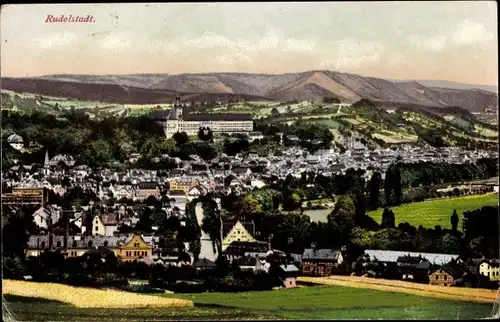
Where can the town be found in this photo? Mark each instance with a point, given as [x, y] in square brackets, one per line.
[250, 161]
[196, 211]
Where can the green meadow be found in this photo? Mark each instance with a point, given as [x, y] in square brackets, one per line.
[438, 211]
[316, 302]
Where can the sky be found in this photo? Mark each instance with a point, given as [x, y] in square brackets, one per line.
[455, 41]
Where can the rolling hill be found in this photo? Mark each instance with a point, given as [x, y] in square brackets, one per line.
[310, 85]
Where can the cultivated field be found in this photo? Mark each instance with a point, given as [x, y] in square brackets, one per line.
[88, 298]
[392, 137]
[438, 211]
[339, 302]
[452, 293]
[317, 302]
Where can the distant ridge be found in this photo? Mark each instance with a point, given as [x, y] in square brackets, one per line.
[310, 85]
[452, 85]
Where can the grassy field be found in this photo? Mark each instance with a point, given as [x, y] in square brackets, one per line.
[390, 137]
[438, 211]
[436, 291]
[88, 297]
[318, 215]
[318, 302]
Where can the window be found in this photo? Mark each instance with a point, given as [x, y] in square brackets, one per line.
[437, 277]
[43, 244]
[58, 244]
[74, 243]
[90, 243]
[96, 228]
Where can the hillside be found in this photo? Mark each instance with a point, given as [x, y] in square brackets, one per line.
[453, 85]
[310, 85]
[103, 90]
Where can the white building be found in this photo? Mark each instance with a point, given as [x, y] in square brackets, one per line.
[176, 120]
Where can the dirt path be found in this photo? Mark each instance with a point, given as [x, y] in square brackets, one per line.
[452, 293]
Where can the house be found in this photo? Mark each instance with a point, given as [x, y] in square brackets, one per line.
[288, 274]
[319, 262]
[134, 248]
[110, 222]
[147, 189]
[238, 231]
[42, 217]
[391, 256]
[238, 249]
[126, 247]
[182, 184]
[447, 275]
[196, 191]
[413, 268]
[68, 160]
[490, 268]
[204, 264]
[242, 172]
[98, 227]
[247, 263]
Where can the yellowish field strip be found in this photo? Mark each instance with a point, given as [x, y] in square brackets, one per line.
[88, 297]
[451, 293]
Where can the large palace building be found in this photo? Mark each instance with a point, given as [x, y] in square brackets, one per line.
[178, 119]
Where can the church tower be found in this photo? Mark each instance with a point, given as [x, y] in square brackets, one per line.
[46, 163]
[178, 107]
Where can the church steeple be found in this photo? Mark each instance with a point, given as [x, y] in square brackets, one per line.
[46, 163]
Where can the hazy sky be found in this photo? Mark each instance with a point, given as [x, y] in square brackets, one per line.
[454, 41]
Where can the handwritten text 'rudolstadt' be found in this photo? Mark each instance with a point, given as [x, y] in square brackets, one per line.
[69, 19]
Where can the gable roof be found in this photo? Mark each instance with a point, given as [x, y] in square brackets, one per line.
[246, 261]
[392, 256]
[109, 219]
[240, 248]
[320, 254]
[203, 262]
[228, 226]
[456, 271]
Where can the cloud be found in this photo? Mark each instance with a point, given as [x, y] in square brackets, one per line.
[469, 32]
[301, 45]
[431, 44]
[232, 59]
[56, 40]
[352, 53]
[114, 42]
[396, 59]
[271, 40]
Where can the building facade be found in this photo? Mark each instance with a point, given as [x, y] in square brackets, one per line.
[126, 248]
[178, 119]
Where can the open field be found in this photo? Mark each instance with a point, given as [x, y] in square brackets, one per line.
[438, 211]
[33, 309]
[88, 297]
[318, 215]
[484, 131]
[391, 137]
[318, 302]
[452, 293]
[493, 180]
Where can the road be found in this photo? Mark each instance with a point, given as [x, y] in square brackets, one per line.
[205, 241]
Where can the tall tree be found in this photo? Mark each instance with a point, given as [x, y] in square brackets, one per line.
[374, 186]
[342, 216]
[180, 138]
[397, 186]
[454, 221]
[389, 186]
